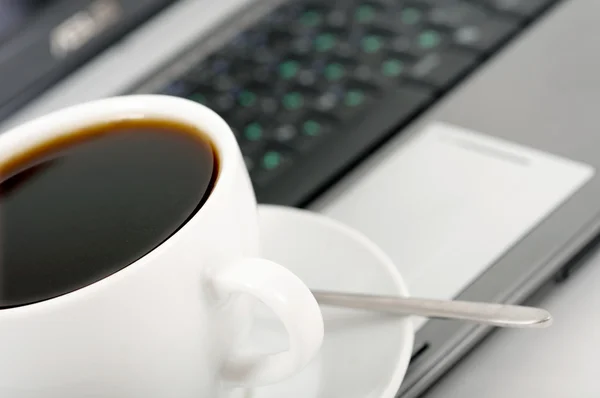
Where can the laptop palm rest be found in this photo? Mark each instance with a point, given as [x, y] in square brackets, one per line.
[452, 201]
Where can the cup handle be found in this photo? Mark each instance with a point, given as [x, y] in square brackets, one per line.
[291, 301]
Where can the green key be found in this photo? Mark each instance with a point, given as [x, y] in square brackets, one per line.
[198, 98]
[271, 160]
[392, 67]
[334, 71]
[247, 98]
[311, 128]
[429, 39]
[325, 42]
[372, 43]
[293, 101]
[311, 18]
[365, 14]
[410, 16]
[253, 132]
[354, 98]
[289, 69]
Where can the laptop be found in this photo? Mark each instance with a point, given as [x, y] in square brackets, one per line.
[459, 135]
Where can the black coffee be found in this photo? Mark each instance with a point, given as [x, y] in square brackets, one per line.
[81, 208]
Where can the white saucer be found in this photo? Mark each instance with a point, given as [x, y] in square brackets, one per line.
[364, 355]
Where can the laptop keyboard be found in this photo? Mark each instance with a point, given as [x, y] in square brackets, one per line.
[316, 86]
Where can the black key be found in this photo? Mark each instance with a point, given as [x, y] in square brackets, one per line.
[238, 122]
[247, 98]
[442, 68]
[349, 48]
[326, 42]
[252, 137]
[178, 88]
[302, 45]
[429, 39]
[522, 8]
[202, 96]
[289, 69]
[330, 100]
[294, 105]
[300, 71]
[366, 73]
[254, 131]
[373, 44]
[241, 73]
[225, 83]
[311, 130]
[311, 18]
[363, 45]
[388, 71]
[282, 15]
[486, 35]
[262, 74]
[266, 55]
[338, 18]
[278, 88]
[319, 4]
[247, 108]
[368, 13]
[284, 133]
[393, 67]
[277, 41]
[315, 126]
[335, 71]
[432, 3]
[356, 99]
[269, 163]
[425, 41]
[295, 100]
[223, 104]
[304, 131]
[219, 64]
[409, 16]
[454, 15]
[255, 90]
[319, 74]
[269, 105]
[386, 3]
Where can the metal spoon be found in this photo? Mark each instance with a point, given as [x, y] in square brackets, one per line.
[485, 313]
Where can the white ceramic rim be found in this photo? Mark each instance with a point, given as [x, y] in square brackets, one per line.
[130, 107]
[407, 324]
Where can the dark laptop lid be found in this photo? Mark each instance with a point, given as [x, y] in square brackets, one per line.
[42, 41]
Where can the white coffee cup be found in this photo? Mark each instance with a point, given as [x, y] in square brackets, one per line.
[172, 324]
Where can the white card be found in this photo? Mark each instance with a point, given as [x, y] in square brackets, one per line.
[451, 202]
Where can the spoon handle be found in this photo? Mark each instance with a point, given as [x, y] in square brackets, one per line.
[485, 313]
